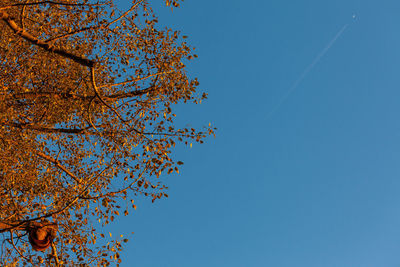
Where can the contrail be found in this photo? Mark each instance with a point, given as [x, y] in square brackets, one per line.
[307, 70]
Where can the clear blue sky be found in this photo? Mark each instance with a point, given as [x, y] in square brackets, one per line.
[315, 184]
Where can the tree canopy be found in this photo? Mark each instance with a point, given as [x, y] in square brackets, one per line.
[87, 94]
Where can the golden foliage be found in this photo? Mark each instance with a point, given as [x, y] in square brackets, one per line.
[86, 120]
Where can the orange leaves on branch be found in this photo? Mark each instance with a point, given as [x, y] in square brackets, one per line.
[86, 117]
[174, 3]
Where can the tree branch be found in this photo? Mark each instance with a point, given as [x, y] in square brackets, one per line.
[96, 91]
[50, 40]
[135, 80]
[46, 46]
[76, 198]
[46, 129]
[52, 3]
[116, 192]
[15, 247]
[131, 93]
[58, 164]
[34, 95]
[125, 13]
[8, 226]
[53, 247]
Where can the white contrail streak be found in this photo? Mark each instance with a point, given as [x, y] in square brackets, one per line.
[307, 70]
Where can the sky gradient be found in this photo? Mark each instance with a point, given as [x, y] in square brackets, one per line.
[316, 183]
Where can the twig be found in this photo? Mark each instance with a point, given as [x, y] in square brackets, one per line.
[58, 164]
[96, 91]
[53, 247]
[22, 14]
[119, 191]
[124, 14]
[135, 80]
[15, 247]
[51, 40]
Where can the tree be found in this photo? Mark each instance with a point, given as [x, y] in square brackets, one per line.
[86, 123]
